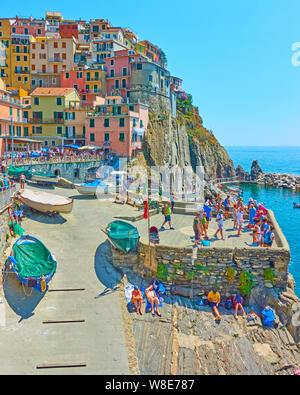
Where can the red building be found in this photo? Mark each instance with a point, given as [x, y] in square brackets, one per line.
[29, 26]
[68, 30]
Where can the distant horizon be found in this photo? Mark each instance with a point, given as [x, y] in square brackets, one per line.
[257, 146]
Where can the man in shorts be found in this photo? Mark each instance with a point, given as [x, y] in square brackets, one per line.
[220, 222]
[226, 205]
[197, 228]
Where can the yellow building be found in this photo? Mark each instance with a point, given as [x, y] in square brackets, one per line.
[56, 116]
[20, 61]
[5, 44]
[95, 81]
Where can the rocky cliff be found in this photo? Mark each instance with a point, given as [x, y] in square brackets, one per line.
[184, 141]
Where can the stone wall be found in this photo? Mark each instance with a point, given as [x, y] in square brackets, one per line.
[67, 170]
[190, 272]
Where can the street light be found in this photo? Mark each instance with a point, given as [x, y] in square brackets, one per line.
[12, 141]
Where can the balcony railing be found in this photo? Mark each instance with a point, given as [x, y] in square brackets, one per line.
[22, 72]
[47, 121]
[55, 60]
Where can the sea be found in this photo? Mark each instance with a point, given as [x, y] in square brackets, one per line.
[275, 160]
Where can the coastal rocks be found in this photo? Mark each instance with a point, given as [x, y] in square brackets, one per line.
[242, 174]
[286, 181]
[256, 171]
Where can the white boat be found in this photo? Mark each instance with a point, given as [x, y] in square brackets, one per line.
[90, 188]
[45, 202]
[44, 178]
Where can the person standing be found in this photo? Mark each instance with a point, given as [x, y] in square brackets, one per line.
[220, 222]
[207, 209]
[226, 205]
[167, 213]
[197, 228]
[172, 198]
[240, 219]
[22, 181]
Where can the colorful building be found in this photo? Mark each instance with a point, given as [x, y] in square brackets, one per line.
[52, 109]
[119, 72]
[28, 26]
[20, 61]
[49, 57]
[117, 127]
[12, 125]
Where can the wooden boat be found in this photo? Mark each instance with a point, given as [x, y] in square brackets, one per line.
[45, 202]
[43, 178]
[123, 236]
[90, 188]
[32, 262]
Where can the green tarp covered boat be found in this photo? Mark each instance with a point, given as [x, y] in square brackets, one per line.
[32, 262]
[17, 171]
[123, 236]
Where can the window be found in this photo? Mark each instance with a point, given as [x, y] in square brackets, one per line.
[117, 84]
[106, 123]
[36, 101]
[141, 123]
[59, 130]
[111, 62]
[67, 76]
[106, 136]
[55, 44]
[76, 87]
[18, 58]
[13, 29]
[19, 79]
[150, 78]
[92, 137]
[112, 72]
[87, 87]
[124, 71]
[33, 56]
[84, 97]
[92, 123]
[83, 131]
[121, 122]
[39, 31]
[58, 101]
[139, 66]
[53, 143]
[64, 56]
[76, 173]
[26, 131]
[63, 45]
[122, 137]
[25, 30]
[131, 107]
[25, 58]
[124, 83]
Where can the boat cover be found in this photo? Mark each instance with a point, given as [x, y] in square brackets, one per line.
[33, 258]
[17, 171]
[37, 173]
[95, 183]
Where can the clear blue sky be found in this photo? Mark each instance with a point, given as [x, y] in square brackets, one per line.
[233, 55]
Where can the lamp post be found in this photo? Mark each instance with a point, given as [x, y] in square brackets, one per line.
[6, 144]
[12, 141]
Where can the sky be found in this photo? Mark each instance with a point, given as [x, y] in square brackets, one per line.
[235, 57]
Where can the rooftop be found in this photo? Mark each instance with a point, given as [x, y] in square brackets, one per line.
[52, 91]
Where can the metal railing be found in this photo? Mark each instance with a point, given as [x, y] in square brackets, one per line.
[6, 196]
[55, 159]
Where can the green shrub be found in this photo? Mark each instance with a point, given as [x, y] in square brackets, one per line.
[246, 283]
[190, 275]
[269, 275]
[162, 271]
[230, 273]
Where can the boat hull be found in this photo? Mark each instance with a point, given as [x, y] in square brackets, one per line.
[46, 207]
[85, 190]
[44, 179]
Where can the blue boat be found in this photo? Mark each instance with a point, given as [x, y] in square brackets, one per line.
[32, 262]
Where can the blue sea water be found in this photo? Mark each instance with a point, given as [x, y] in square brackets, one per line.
[276, 160]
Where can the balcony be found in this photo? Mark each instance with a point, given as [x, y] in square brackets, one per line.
[22, 72]
[55, 60]
[47, 121]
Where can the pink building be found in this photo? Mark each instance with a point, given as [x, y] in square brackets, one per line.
[29, 26]
[119, 72]
[117, 127]
[72, 79]
[13, 123]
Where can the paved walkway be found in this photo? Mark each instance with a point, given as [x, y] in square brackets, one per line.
[99, 342]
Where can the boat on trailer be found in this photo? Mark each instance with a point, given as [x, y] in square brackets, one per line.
[32, 262]
[45, 202]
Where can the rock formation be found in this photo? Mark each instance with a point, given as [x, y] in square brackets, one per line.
[184, 141]
[256, 171]
[242, 174]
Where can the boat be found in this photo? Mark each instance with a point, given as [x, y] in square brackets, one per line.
[90, 187]
[45, 202]
[296, 205]
[15, 172]
[32, 262]
[123, 236]
[44, 178]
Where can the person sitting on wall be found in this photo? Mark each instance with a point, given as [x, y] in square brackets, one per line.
[214, 299]
[137, 299]
[238, 305]
[152, 299]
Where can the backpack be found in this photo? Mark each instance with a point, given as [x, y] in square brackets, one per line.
[268, 317]
[228, 304]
